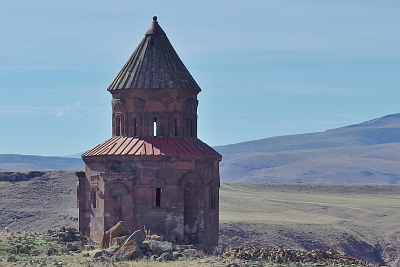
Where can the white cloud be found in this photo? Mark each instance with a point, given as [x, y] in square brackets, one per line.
[75, 109]
[63, 110]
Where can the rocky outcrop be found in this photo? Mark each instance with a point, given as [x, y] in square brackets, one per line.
[286, 256]
[20, 176]
[235, 235]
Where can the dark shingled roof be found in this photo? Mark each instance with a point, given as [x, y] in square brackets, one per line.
[153, 146]
[154, 65]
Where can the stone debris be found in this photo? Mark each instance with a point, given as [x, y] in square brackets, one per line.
[139, 236]
[285, 256]
[191, 253]
[178, 256]
[70, 238]
[119, 230]
[51, 252]
[64, 235]
[160, 247]
[140, 245]
[166, 256]
[150, 249]
[118, 241]
[127, 251]
[11, 258]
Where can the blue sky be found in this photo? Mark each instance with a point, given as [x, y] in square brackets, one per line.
[266, 68]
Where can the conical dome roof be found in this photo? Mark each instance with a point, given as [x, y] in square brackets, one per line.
[154, 65]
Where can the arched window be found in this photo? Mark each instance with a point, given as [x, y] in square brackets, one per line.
[134, 127]
[158, 197]
[118, 118]
[190, 129]
[176, 129]
[118, 125]
[155, 126]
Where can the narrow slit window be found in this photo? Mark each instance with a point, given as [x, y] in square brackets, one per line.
[118, 125]
[176, 127]
[212, 199]
[134, 127]
[190, 126]
[94, 198]
[155, 126]
[158, 197]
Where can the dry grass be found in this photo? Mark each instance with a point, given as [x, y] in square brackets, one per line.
[308, 216]
[376, 207]
[43, 203]
[355, 219]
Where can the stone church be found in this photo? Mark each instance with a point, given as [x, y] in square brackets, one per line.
[153, 172]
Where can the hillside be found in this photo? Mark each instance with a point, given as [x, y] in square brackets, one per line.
[359, 220]
[365, 153]
[45, 201]
[14, 162]
[368, 152]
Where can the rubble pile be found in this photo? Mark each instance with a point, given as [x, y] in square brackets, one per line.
[120, 244]
[136, 247]
[284, 256]
[70, 240]
[65, 235]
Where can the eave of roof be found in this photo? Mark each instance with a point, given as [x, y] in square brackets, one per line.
[154, 65]
[153, 146]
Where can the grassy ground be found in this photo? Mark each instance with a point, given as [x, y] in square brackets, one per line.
[355, 219]
[43, 203]
[359, 220]
[33, 246]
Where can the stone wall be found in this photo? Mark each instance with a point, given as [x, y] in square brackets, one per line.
[169, 196]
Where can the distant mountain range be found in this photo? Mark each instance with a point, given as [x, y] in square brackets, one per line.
[368, 152]
[14, 163]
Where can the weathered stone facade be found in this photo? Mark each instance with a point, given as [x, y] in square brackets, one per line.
[154, 172]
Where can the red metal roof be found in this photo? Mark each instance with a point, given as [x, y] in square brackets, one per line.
[153, 146]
